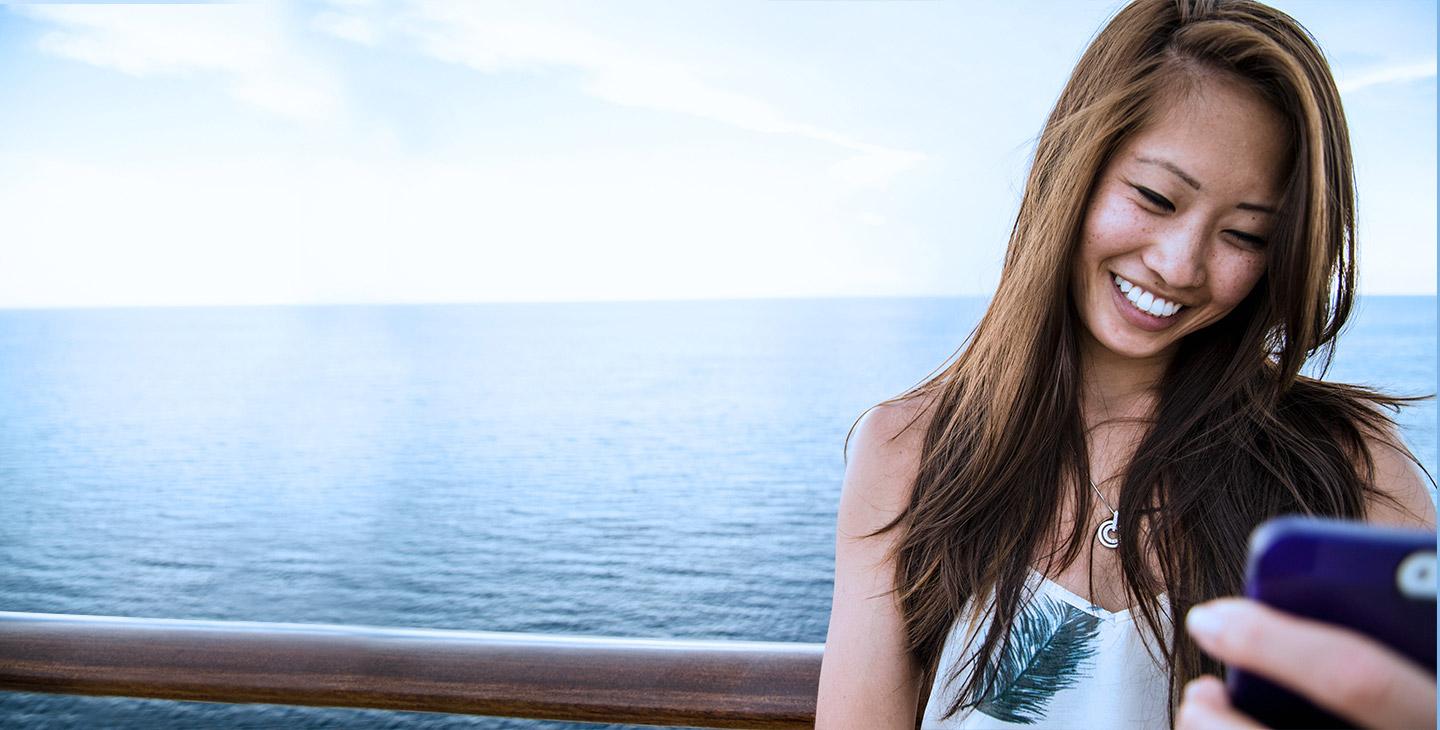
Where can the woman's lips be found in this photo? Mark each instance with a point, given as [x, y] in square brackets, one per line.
[1143, 320]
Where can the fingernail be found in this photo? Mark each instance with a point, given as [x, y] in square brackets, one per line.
[1204, 622]
[1191, 687]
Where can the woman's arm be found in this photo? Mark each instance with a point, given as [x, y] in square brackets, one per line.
[867, 680]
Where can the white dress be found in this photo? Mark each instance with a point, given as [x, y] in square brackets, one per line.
[1071, 665]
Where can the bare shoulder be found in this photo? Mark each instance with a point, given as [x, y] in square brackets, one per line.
[884, 450]
[868, 679]
[893, 429]
[1398, 476]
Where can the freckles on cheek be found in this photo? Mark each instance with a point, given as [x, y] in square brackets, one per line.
[1234, 282]
[1112, 222]
[1230, 290]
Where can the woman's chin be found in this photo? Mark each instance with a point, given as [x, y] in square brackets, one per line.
[1137, 346]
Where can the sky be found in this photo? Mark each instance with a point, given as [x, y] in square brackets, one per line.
[419, 151]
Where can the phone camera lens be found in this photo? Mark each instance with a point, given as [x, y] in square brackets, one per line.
[1416, 576]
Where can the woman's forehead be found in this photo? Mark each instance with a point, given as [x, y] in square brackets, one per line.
[1221, 138]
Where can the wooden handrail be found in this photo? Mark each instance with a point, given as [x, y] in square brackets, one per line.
[646, 681]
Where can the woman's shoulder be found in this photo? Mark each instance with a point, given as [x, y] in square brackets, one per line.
[884, 448]
[893, 429]
[1404, 494]
[1407, 500]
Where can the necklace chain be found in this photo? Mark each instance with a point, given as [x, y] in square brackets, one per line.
[1109, 532]
[1101, 496]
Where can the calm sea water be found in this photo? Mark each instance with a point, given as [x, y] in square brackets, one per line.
[637, 469]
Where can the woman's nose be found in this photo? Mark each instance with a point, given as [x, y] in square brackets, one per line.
[1178, 254]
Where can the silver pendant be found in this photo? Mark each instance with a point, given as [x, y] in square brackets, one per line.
[1109, 532]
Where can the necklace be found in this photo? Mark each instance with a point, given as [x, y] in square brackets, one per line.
[1109, 532]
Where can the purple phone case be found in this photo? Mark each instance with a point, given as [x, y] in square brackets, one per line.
[1338, 572]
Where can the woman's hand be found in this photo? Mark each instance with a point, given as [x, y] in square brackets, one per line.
[1337, 669]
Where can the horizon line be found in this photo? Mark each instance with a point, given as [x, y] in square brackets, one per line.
[660, 300]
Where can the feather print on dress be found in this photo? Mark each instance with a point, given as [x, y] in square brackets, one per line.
[1050, 644]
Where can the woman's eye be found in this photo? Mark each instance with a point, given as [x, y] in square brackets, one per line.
[1155, 198]
[1248, 240]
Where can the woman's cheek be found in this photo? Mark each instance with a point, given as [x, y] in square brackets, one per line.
[1113, 224]
[1236, 279]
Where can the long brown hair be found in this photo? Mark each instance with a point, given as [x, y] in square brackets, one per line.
[1238, 435]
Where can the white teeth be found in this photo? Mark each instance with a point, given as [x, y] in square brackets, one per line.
[1145, 301]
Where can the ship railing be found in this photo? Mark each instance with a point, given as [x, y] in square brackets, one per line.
[720, 684]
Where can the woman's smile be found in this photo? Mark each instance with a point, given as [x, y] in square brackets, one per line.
[1143, 309]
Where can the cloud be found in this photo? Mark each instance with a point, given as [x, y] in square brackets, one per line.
[353, 28]
[1387, 75]
[245, 44]
[250, 46]
[490, 40]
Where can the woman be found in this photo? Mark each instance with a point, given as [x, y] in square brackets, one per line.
[1129, 408]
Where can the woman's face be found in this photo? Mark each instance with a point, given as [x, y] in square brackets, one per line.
[1175, 232]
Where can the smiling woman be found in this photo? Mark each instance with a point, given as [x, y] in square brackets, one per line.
[1017, 534]
[1163, 254]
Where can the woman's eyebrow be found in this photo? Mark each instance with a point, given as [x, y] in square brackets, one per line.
[1192, 182]
[1172, 167]
[1256, 207]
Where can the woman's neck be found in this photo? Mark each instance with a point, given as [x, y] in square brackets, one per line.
[1113, 386]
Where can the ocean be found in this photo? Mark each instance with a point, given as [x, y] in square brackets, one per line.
[657, 469]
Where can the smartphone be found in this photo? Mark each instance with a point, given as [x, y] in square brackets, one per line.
[1378, 581]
